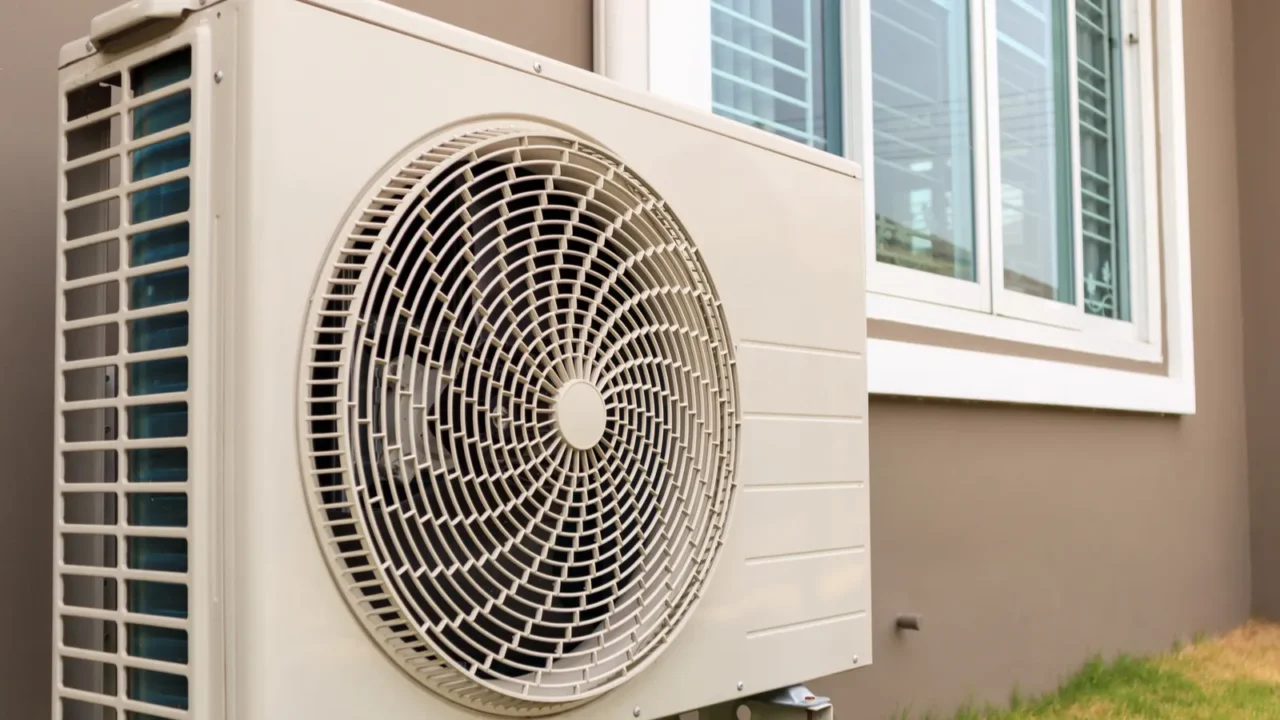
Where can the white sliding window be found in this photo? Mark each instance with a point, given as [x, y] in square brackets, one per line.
[999, 145]
[1027, 178]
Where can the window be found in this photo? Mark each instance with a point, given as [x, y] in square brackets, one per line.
[1010, 151]
[999, 147]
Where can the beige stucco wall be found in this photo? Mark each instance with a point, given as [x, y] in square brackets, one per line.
[1027, 538]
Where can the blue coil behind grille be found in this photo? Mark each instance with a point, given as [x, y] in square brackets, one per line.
[164, 420]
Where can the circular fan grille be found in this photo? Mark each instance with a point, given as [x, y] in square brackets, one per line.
[519, 418]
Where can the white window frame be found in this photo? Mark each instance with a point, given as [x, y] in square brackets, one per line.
[921, 298]
[664, 46]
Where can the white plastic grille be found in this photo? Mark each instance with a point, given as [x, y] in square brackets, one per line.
[122, 606]
[519, 418]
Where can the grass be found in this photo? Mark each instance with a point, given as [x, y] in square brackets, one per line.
[1236, 676]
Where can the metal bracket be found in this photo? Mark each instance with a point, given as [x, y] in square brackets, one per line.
[793, 703]
[136, 13]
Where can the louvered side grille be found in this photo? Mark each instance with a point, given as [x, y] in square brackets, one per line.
[124, 446]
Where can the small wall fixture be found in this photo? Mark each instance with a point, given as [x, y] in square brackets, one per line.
[908, 622]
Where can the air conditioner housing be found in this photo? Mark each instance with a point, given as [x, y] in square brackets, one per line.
[223, 166]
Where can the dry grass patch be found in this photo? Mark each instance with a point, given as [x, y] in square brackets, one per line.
[1234, 677]
[1251, 652]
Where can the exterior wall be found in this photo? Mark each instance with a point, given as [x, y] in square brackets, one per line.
[29, 41]
[1257, 116]
[1026, 538]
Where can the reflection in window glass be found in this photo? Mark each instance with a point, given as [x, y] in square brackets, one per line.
[775, 64]
[923, 135]
[1035, 148]
[1102, 181]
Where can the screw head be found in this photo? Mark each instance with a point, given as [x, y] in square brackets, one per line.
[217, 76]
[855, 659]
[741, 685]
[537, 67]
[636, 712]
[89, 46]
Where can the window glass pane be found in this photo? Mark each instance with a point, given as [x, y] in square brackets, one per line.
[1035, 150]
[775, 64]
[1102, 190]
[920, 70]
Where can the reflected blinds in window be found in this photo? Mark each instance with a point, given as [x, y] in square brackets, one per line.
[775, 65]
[921, 95]
[1102, 187]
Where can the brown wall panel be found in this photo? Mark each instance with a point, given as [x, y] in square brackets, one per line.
[559, 29]
[30, 34]
[1257, 55]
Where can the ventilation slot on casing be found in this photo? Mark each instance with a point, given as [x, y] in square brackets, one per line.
[123, 606]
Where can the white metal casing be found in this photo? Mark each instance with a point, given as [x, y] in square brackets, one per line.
[311, 103]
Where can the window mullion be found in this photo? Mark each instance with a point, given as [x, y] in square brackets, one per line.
[1073, 141]
[1144, 200]
[986, 44]
[858, 113]
[985, 167]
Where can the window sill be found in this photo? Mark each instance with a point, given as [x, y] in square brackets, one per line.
[1099, 337]
[913, 370]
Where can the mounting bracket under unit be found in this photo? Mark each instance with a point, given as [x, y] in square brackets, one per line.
[793, 703]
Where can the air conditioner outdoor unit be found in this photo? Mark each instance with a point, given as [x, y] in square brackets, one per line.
[406, 374]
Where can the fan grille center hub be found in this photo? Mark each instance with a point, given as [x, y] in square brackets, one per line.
[580, 414]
